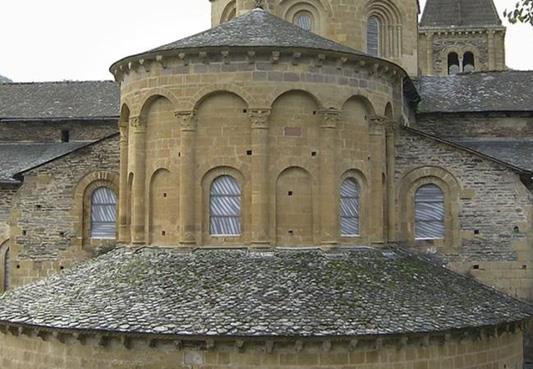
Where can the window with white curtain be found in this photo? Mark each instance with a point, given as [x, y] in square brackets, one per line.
[304, 20]
[349, 208]
[373, 36]
[225, 207]
[103, 213]
[429, 213]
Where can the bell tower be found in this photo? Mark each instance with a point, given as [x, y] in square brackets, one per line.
[460, 36]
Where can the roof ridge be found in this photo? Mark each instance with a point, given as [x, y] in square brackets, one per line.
[57, 82]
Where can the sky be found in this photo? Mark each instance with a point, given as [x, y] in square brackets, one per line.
[55, 40]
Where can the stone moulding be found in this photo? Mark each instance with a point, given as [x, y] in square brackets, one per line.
[268, 344]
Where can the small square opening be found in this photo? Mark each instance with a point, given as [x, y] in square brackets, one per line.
[65, 135]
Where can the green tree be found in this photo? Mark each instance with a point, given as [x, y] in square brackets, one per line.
[523, 12]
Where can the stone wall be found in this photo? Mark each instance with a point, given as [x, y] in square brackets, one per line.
[486, 125]
[493, 215]
[50, 131]
[7, 192]
[60, 352]
[46, 227]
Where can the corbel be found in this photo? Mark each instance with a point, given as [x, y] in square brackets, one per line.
[403, 342]
[184, 58]
[326, 346]
[353, 344]
[81, 338]
[379, 344]
[298, 346]
[59, 336]
[251, 57]
[102, 340]
[341, 62]
[203, 56]
[178, 344]
[225, 56]
[126, 342]
[239, 345]
[425, 340]
[269, 346]
[321, 58]
[296, 58]
[43, 335]
[210, 344]
[275, 57]
[152, 343]
[161, 60]
[145, 64]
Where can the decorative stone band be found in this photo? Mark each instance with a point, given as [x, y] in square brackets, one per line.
[330, 118]
[269, 344]
[187, 120]
[259, 118]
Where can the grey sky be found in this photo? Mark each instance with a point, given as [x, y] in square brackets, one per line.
[78, 40]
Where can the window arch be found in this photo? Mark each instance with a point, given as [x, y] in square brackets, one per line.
[373, 36]
[304, 19]
[453, 63]
[225, 207]
[429, 213]
[469, 64]
[103, 213]
[349, 208]
[6, 266]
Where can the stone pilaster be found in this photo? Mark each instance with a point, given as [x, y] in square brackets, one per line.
[329, 191]
[378, 194]
[187, 121]
[390, 206]
[259, 120]
[139, 178]
[123, 211]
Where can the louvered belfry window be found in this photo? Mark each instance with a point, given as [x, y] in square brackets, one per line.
[103, 213]
[429, 209]
[225, 207]
[372, 36]
[349, 208]
[304, 20]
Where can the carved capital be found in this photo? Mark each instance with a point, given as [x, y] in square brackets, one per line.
[378, 124]
[186, 120]
[136, 122]
[330, 118]
[259, 118]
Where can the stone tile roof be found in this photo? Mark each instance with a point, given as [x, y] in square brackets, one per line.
[518, 152]
[215, 292]
[4, 79]
[59, 100]
[21, 156]
[257, 28]
[477, 92]
[460, 13]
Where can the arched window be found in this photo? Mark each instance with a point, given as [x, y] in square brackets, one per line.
[469, 64]
[429, 213]
[373, 36]
[349, 208]
[103, 213]
[453, 63]
[6, 266]
[225, 207]
[304, 20]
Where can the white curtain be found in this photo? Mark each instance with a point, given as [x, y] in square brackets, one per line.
[103, 213]
[429, 217]
[349, 208]
[225, 207]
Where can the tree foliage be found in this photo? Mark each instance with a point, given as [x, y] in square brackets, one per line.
[523, 12]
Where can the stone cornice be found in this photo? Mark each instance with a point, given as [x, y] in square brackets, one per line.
[242, 344]
[460, 30]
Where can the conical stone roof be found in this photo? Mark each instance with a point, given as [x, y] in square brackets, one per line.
[257, 28]
[460, 13]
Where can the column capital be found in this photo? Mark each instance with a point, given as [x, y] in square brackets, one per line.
[259, 117]
[330, 117]
[186, 120]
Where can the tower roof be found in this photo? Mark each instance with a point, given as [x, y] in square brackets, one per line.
[257, 28]
[460, 13]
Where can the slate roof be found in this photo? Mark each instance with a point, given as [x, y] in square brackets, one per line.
[4, 79]
[59, 100]
[257, 28]
[504, 91]
[518, 152]
[21, 156]
[216, 292]
[460, 13]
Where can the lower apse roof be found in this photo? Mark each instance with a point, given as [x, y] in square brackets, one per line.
[305, 293]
